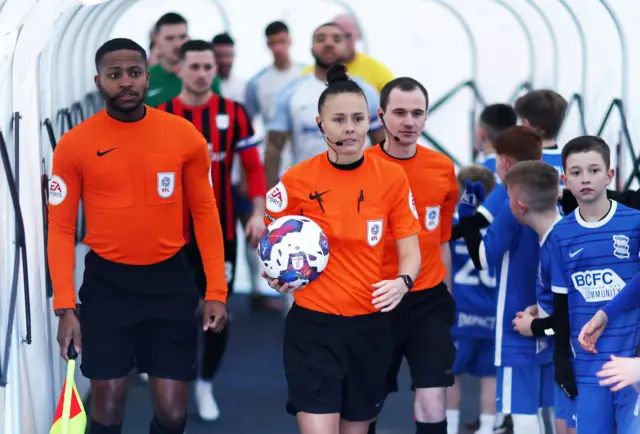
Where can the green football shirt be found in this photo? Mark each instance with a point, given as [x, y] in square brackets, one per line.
[164, 86]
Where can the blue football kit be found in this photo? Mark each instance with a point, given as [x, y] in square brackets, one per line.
[596, 260]
[474, 330]
[524, 363]
[564, 407]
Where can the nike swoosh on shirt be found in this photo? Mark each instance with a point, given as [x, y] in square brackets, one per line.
[100, 154]
[154, 92]
[572, 254]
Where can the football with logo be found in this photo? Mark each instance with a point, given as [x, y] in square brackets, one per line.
[294, 249]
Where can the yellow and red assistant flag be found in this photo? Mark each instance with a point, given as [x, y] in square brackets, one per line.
[70, 417]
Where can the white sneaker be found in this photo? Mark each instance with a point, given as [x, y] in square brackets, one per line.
[144, 377]
[205, 402]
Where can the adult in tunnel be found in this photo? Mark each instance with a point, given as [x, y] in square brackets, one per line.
[133, 166]
[337, 338]
[429, 305]
[171, 31]
[359, 64]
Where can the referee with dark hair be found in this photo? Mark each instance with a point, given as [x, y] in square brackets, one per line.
[133, 167]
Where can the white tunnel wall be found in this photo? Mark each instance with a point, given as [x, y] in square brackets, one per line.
[573, 46]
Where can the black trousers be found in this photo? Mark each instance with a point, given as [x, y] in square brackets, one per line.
[214, 345]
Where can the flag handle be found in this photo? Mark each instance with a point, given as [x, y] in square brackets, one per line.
[68, 389]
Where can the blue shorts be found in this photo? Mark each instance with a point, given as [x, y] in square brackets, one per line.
[524, 389]
[601, 411]
[565, 408]
[475, 356]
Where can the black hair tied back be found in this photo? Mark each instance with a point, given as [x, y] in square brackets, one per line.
[339, 82]
[337, 74]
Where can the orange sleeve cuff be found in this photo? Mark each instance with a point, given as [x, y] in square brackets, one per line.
[65, 301]
[216, 295]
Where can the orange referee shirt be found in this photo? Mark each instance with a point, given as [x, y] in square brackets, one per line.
[435, 190]
[354, 208]
[131, 178]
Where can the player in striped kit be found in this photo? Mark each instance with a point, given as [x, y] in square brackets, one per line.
[227, 128]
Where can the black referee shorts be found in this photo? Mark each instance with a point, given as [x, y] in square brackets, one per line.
[138, 316]
[421, 327]
[230, 261]
[336, 364]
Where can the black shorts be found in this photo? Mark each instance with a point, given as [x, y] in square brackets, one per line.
[140, 316]
[336, 364]
[230, 259]
[421, 327]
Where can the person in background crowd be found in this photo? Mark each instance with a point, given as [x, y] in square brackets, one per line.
[261, 90]
[231, 86]
[260, 98]
[494, 119]
[154, 55]
[171, 32]
[544, 111]
[359, 64]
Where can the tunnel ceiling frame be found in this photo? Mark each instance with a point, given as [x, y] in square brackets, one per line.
[624, 60]
[528, 36]
[583, 44]
[554, 38]
[83, 37]
[467, 30]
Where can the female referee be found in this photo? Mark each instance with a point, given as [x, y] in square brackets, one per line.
[337, 340]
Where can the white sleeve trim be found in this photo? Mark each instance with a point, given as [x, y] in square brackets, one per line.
[482, 253]
[247, 143]
[559, 290]
[486, 213]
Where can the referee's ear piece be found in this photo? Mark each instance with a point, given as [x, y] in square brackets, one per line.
[320, 127]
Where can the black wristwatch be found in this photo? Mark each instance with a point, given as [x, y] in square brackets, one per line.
[407, 281]
[60, 312]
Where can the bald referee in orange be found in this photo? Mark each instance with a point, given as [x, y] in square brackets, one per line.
[421, 324]
[133, 166]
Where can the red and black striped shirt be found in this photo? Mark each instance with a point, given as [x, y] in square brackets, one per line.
[226, 126]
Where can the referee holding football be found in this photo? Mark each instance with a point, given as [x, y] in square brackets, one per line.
[337, 338]
[133, 166]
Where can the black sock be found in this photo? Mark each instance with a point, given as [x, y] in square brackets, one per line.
[98, 428]
[372, 427]
[431, 428]
[156, 427]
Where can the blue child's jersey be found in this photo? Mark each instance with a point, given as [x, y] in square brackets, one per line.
[475, 295]
[553, 157]
[494, 202]
[596, 260]
[513, 249]
[490, 162]
[544, 293]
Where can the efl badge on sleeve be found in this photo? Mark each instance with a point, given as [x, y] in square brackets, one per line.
[432, 217]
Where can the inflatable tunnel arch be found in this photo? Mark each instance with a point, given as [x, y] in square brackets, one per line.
[466, 53]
